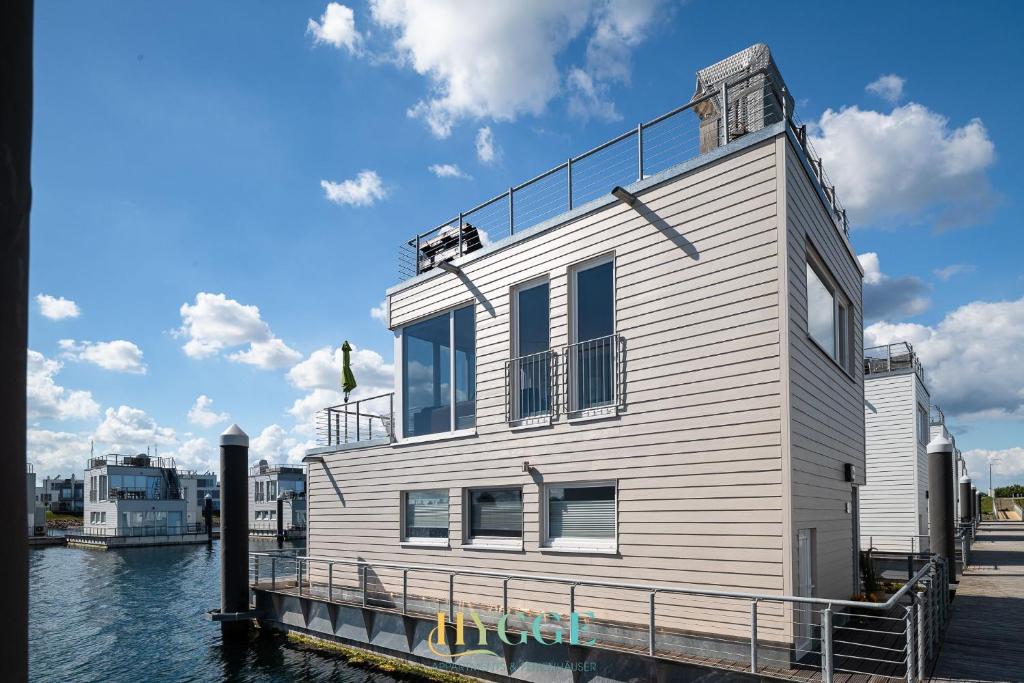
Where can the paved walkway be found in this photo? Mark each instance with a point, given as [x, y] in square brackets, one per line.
[985, 638]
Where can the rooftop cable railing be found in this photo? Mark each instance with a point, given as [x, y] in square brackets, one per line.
[263, 467]
[366, 419]
[752, 101]
[893, 357]
[124, 460]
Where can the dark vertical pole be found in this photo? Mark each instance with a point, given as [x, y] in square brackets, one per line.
[965, 501]
[15, 201]
[234, 526]
[208, 517]
[940, 507]
[280, 520]
[975, 503]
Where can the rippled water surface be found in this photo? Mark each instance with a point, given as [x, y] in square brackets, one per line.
[136, 615]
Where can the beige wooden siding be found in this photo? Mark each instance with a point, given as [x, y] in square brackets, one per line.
[893, 497]
[696, 451]
[826, 405]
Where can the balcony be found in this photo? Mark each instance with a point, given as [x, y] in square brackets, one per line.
[368, 419]
[140, 460]
[591, 380]
[893, 357]
[747, 87]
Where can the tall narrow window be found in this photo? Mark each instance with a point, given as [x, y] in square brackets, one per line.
[592, 355]
[530, 369]
[439, 373]
[821, 313]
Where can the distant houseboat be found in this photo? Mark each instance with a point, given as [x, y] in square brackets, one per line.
[269, 483]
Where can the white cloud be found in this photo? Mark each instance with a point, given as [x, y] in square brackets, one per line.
[973, 358]
[380, 312]
[127, 429]
[276, 445]
[195, 454]
[269, 355]
[448, 171]
[47, 399]
[365, 189]
[907, 166]
[320, 376]
[214, 323]
[57, 308]
[953, 269]
[886, 296]
[486, 151]
[619, 27]
[888, 87]
[337, 27]
[588, 98]
[54, 452]
[201, 414]
[119, 355]
[1007, 466]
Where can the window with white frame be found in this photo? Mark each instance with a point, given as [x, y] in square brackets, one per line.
[581, 516]
[495, 515]
[425, 516]
[439, 373]
[829, 314]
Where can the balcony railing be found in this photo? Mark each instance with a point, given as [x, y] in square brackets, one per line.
[752, 102]
[140, 460]
[368, 419]
[593, 375]
[531, 388]
[143, 494]
[891, 358]
[137, 531]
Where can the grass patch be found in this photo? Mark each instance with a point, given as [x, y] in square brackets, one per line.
[63, 517]
[371, 660]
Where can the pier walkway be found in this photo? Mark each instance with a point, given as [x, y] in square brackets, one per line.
[984, 639]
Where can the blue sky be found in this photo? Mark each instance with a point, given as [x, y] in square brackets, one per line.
[191, 159]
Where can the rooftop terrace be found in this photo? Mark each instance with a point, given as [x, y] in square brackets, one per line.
[123, 460]
[746, 86]
[895, 357]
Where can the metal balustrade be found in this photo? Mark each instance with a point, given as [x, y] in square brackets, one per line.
[367, 419]
[829, 639]
[531, 387]
[593, 375]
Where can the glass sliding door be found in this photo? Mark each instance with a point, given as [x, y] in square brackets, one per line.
[592, 356]
[531, 368]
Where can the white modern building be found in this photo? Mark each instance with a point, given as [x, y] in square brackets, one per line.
[195, 487]
[894, 500]
[35, 511]
[268, 482]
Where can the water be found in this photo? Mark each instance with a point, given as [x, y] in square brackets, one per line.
[136, 615]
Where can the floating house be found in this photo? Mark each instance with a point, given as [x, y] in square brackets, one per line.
[65, 495]
[641, 368]
[135, 500]
[35, 512]
[894, 501]
[277, 492]
[195, 487]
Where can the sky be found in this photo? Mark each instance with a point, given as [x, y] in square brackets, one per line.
[221, 189]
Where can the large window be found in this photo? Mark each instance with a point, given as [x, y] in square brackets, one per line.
[530, 369]
[495, 515]
[581, 516]
[922, 424]
[425, 516]
[592, 355]
[829, 314]
[439, 373]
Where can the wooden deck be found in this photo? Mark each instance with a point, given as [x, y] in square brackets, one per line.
[985, 637]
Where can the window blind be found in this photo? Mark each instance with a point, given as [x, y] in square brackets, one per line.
[581, 512]
[496, 512]
[426, 514]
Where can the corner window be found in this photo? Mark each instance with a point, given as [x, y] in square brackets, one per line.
[495, 515]
[829, 314]
[581, 516]
[425, 516]
[439, 373]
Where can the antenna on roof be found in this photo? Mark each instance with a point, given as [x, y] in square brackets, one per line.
[92, 450]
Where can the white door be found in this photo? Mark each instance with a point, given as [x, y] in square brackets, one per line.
[804, 612]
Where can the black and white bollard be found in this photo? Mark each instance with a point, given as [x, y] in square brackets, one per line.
[940, 502]
[208, 517]
[234, 613]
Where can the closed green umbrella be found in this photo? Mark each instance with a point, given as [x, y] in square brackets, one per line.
[348, 380]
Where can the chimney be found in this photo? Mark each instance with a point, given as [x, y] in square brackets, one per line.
[754, 95]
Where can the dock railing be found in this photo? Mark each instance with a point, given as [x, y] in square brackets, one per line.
[752, 101]
[800, 638]
[140, 531]
[367, 419]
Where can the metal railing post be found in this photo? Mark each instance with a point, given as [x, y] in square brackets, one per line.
[256, 580]
[725, 114]
[910, 634]
[753, 636]
[922, 654]
[330, 582]
[405, 591]
[640, 151]
[298, 574]
[451, 596]
[826, 645]
[416, 254]
[273, 573]
[358, 413]
[572, 598]
[362, 582]
[568, 181]
[650, 624]
[460, 233]
[504, 596]
[511, 214]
